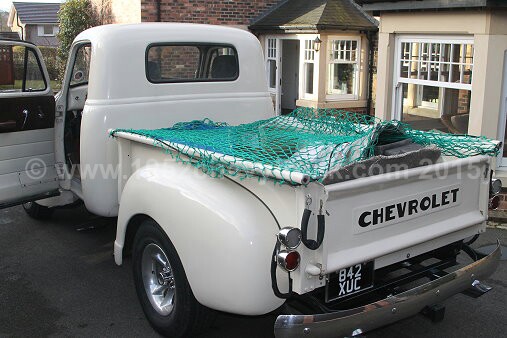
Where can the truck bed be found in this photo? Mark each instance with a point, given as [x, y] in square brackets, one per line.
[385, 218]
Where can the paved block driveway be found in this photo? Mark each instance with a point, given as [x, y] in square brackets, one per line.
[58, 278]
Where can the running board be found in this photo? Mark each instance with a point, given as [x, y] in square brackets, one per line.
[32, 198]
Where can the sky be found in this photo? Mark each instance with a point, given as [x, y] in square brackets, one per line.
[5, 5]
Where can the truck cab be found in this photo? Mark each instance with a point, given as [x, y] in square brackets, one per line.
[112, 81]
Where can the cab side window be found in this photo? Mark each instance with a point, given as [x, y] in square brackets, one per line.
[81, 67]
[20, 70]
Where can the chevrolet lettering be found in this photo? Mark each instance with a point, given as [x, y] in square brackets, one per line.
[399, 210]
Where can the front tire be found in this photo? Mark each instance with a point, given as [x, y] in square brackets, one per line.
[37, 211]
[162, 286]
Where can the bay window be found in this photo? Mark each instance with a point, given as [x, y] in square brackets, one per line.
[343, 68]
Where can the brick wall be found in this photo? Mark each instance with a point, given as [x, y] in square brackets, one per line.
[218, 12]
[463, 101]
[117, 11]
[175, 62]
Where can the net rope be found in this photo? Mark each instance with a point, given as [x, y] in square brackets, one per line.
[308, 141]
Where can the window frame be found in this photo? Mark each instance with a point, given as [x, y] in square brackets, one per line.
[41, 32]
[23, 90]
[434, 40]
[275, 49]
[74, 85]
[304, 61]
[189, 44]
[431, 39]
[329, 62]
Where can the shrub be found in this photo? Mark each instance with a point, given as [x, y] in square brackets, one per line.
[74, 16]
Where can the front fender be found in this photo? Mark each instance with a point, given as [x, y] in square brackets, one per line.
[223, 234]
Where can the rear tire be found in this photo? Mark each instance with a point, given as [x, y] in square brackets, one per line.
[162, 286]
[37, 211]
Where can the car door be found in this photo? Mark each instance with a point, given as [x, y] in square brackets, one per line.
[27, 117]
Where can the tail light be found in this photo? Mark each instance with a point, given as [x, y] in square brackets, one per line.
[290, 237]
[288, 260]
[495, 187]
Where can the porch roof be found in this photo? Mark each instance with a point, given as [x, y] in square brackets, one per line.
[315, 15]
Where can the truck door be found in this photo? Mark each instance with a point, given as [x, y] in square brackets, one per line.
[27, 116]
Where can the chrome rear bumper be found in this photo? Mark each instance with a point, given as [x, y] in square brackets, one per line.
[365, 318]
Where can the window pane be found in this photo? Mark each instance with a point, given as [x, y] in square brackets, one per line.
[342, 78]
[434, 108]
[439, 62]
[34, 75]
[446, 52]
[404, 69]
[173, 63]
[344, 50]
[309, 78]
[81, 68]
[12, 70]
[181, 63]
[434, 71]
[467, 74]
[221, 63]
[48, 30]
[272, 73]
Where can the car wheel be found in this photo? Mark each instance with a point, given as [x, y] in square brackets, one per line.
[37, 211]
[162, 287]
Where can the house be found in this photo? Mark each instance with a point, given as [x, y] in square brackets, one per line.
[36, 22]
[443, 65]
[318, 54]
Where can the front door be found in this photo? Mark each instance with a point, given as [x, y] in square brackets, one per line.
[27, 116]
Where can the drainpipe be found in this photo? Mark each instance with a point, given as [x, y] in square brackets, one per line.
[159, 14]
[369, 36]
[22, 29]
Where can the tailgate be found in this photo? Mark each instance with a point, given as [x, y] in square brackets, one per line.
[394, 216]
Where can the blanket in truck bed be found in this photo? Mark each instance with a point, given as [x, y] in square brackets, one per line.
[300, 147]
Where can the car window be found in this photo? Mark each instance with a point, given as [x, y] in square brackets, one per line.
[190, 63]
[81, 67]
[20, 70]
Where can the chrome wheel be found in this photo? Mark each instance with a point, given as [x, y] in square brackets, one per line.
[158, 279]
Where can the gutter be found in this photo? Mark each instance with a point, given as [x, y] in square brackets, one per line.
[371, 53]
[159, 14]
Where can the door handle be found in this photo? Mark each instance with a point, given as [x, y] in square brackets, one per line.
[7, 126]
[25, 113]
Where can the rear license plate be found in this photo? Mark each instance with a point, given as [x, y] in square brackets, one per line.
[348, 281]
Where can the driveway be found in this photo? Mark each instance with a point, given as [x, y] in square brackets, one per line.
[58, 278]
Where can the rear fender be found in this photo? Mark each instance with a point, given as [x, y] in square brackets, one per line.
[223, 234]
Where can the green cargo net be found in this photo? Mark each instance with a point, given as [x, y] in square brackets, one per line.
[297, 148]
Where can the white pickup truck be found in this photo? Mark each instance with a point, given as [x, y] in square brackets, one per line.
[334, 258]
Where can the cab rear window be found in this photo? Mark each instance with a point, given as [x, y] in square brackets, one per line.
[167, 63]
